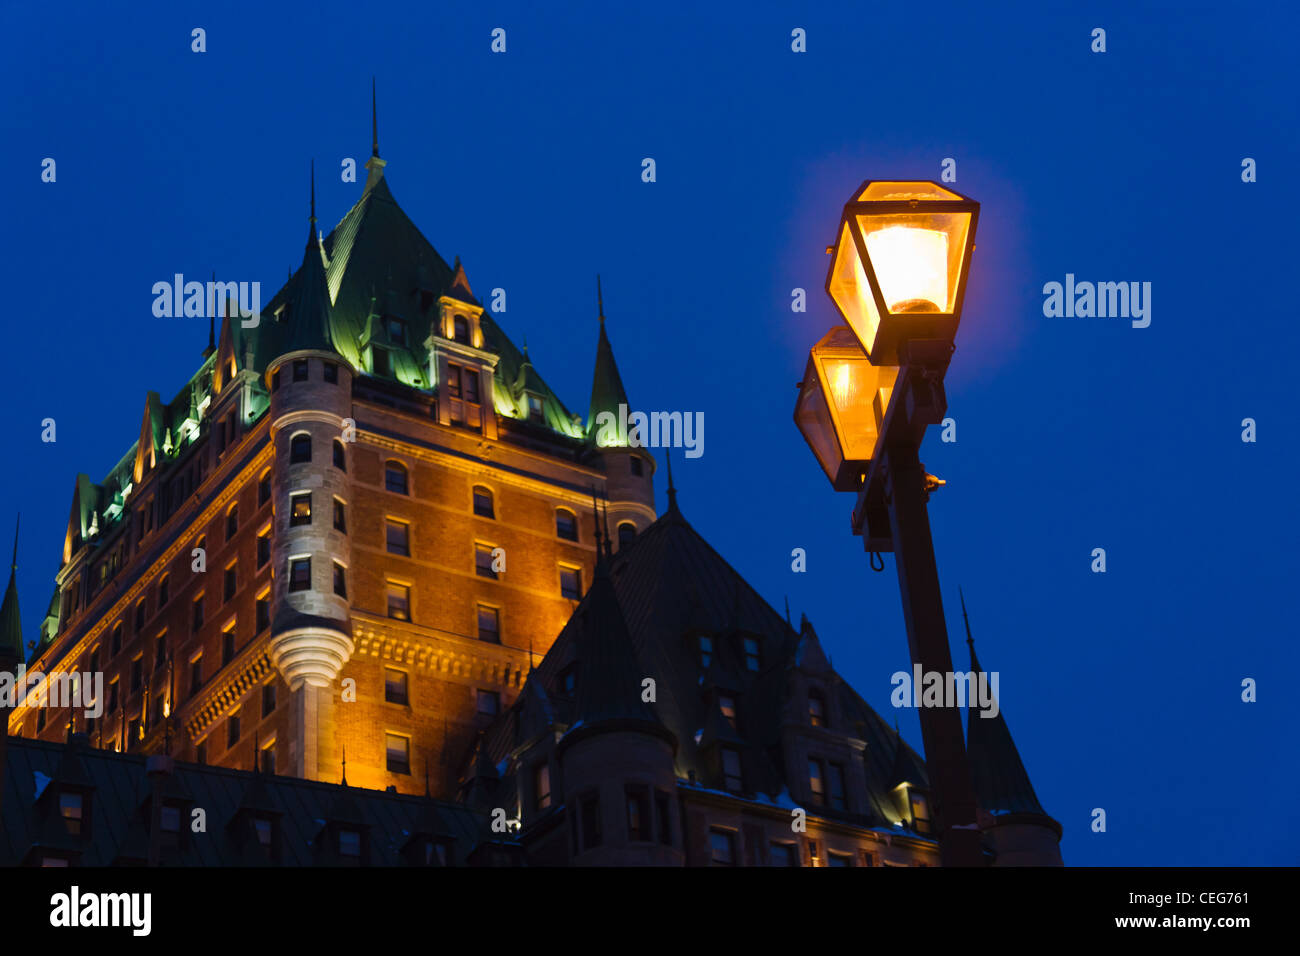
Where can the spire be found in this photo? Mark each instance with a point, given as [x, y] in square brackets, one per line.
[311, 222]
[595, 518]
[1001, 782]
[309, 303]
[672, 489]
[604, 517]
[212, 341]
[787, 613]
[607, 392]
[970, 641]
[11, 626]
[374, 121]
[345, 765]
[459, 287]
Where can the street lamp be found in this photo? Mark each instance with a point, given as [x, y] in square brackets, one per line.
[898, 268]
[898, 276]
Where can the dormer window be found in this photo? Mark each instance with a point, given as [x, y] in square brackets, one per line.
[396, 331]
[752, 659]
[733, 779]
[460, 329]
[816, 709]
[920, 812]
[264, 829]
[727, 704]
[706, 651]
[71, 809]
[378, 361]
[534, 407]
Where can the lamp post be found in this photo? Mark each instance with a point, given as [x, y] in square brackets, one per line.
[870, 390]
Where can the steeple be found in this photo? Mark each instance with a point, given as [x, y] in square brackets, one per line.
[672, 489]
[374, 165]
[1001, 782]
[309, 307]
[11, 626]
[212, 342]
[607, 392]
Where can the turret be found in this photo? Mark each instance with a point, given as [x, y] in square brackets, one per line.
[616, 759]
[629, 484]
[311, 397]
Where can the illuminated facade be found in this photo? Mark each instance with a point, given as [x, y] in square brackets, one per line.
[358, 537]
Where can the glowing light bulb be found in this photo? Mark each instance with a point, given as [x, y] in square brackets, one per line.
[912, 267]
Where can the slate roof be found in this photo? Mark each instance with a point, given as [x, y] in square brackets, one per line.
[119, 824]
[670, 584]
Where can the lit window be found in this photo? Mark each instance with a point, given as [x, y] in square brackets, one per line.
[300, 449]
[483, 502]
[300, 574]
[398, 537]
[489, 624]
[733, 779]
[395, 686]
[566, 524]
[920, 812]
[395, 478]
[722, 845]
[570, 583]
[483, 562]
[398, 750]
[489, 702]
[70, 808]
[816, 709]
[728, 705]
[399, 601]
[299, 508]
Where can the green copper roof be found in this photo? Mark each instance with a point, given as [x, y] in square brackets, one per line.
[607, 391]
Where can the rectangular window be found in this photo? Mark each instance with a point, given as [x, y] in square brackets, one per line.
[232, 731]
[116, 644]
[752, 660]
[395, 478]
[263, 611]
[815, 782]
[542, 786]
[160, 651]
[453, 380]
[350, 845]
[399, 601]
[268, 699]
[300, 574]
[634, 463]
[489, 702]
[139, 613]
[231, 582]
[228, 645]
[663, 822]
[331, 373]
[70, 807]
[398, 749]
[164, 591]
[469, 378]
[534, 408]
[566, 525]
[638, 814]
[783, 854]
[489, 624]
[395, 686]
[201, 752]
[706, 652]
[340, 517]
[838, 859]
[232, 523]
[571, 583]
[264, 489]
[196, 675]
[268, 758]
[137, 674]
[920, 812]
[731, 772]
[722, 844]
[196, 614]
[299, 508]
[378, 360]
[396, 331]
[835, 782]
[112, 696]
[300, 370]
[728, 705]
[483, 562]
[483, 503]
[398, 537]
[264, 547]
[340, 580]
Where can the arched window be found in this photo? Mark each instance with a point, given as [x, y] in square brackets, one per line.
[626, 534]
[395, 478]
[566, 524]
[483, 505]
[340, 457]
[232, 521]
[300, 448]
[460, 329]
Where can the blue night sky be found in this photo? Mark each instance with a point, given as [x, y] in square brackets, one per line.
[1123, 689]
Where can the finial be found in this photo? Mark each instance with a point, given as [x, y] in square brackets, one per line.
[311, 228]
[600, 300]
[345, 765]
[525, 347]
[969, 640]
[787, 613]
[374, 121]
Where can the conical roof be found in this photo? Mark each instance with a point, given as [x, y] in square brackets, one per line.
[11, 625]
[607, 392]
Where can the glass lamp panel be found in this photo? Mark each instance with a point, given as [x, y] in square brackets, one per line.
[894, 190]
[850, 384]
[813, 416]
[917, 258]
[850, 290]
